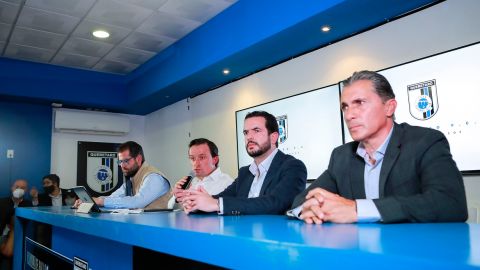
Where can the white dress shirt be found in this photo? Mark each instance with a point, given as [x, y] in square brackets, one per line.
[214, 183]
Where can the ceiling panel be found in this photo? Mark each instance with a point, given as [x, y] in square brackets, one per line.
[8, 12]
[138, 30]
[75, 60]
[84, 30]
[150, 4]
[37, 38]
[74, 8]
[12, 1]
[28, 53]
[47, 21]
[146, 42]
[129, 55]
[114, 66]
[4, 31]
[118, 13]
[164, 24]
[86, 47]
[199, 10]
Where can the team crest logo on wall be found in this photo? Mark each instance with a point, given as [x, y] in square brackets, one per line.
[423, 99]
[282, 128]
[101, 171]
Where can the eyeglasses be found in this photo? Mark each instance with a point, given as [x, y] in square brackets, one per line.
[124, 162]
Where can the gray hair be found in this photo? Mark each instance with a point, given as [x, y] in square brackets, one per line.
[380, 84]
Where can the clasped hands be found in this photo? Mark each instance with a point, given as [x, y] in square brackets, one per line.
[324, 206]
[195, 199]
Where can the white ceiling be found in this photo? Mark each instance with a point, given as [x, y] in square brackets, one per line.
[59, 32]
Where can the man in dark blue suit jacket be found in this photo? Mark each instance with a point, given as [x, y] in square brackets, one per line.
[390, 173]
[267, 186]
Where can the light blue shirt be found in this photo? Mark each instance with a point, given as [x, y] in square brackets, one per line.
[153, 187]
[366, 209]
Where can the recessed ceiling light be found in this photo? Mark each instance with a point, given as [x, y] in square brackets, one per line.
[101, 34]
[226, 71]
[326, 28]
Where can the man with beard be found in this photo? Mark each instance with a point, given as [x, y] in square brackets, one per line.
[53, 195]
[145, 186]
[267, 186]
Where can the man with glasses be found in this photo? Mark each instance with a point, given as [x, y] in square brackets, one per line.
[145, 186]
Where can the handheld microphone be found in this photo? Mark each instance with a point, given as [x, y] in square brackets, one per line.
[188, 182]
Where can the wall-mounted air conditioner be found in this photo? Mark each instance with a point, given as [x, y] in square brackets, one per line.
[91, 122]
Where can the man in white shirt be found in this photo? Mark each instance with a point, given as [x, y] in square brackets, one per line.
[203, 155]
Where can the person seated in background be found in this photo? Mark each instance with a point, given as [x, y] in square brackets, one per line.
[144, 187]
[53, 195]
[390, 173]
[267, 186]
[203, 155]
[7, 212]
[8, 204]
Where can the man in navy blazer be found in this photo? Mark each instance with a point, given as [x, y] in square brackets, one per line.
[390, 173]
[267, 186]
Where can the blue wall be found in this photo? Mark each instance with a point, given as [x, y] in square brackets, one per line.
[27, 129]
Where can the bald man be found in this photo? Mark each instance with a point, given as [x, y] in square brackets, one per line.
[7, 208]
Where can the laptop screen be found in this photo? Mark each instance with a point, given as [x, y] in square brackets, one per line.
[83, 195]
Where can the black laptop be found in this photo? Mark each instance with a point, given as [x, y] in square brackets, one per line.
[83, 195]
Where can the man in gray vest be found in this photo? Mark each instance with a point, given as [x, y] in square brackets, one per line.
[145, 186]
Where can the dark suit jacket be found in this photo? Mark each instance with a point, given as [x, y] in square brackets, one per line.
[285, 178]
[45, 200]
[419, 181]
[7, 210]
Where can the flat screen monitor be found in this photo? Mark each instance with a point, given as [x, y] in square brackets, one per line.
[442, 92]
[310, 127]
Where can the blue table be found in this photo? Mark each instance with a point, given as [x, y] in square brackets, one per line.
[271, 242]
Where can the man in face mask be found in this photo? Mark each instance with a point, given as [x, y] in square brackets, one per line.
[52, 194]
[8, 205]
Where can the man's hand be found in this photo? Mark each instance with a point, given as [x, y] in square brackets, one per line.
[34, 192]
[322, 206]
[77, 203]
[178, 192]
[199, 200]
[99, 201]
[34, 195]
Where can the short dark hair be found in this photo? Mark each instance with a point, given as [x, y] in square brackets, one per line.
[270, 121]
[134, 148]
[211, 145]
[380, 84]
[53, 177]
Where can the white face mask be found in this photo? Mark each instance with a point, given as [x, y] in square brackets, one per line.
[18, 193]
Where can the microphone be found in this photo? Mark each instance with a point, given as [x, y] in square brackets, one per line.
[189, 180]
